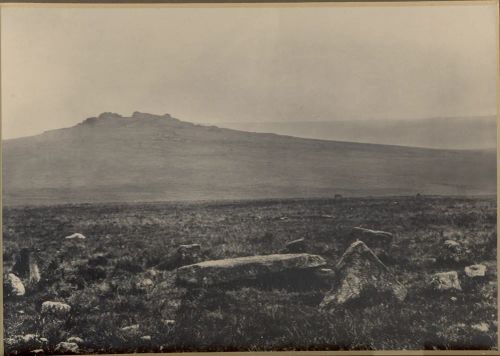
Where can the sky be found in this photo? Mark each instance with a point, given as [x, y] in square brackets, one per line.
[60, 64]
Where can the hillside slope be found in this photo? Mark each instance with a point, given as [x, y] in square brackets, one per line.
[444, 133]
[151, 158]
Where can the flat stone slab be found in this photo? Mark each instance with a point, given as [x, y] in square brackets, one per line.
[244, 268]
[373, 238]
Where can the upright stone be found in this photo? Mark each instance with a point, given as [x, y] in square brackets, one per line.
[361, 276]
[26, 267]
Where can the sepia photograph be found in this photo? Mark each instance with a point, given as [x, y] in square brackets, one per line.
[249, 177]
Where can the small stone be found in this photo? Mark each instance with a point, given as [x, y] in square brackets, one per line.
[183, 256]
[452, 251]
[328, 272]
[146, 338]
[77, 236]
[145, 283]
[475, 271]
[130, 328]
[169, 322]
[296, 246]
[55, 309]
[445, 281]
[37, 352]
[99, 259]
[152, 272]
[14, 286]
[483, 327]
[75, 339]
[66, 348]
[454, 299]
[451, 244]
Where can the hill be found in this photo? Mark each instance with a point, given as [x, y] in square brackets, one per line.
[445, 133]
[152, 158]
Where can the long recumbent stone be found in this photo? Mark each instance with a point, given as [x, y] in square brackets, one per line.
[245, 268]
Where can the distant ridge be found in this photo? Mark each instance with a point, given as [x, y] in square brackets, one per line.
[444, 133]
[148, 157]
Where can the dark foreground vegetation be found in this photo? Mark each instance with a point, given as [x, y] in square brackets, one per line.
[103, 276]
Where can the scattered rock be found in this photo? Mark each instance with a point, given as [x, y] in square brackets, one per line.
[296, 246]
[475, 271]
[103, 289]
[146, 338]
[189, 253]
[451, 244]
[130, 328]
[24, 343]
[373, 238]
[454, 299]
[144, 284]
[482, 327]
[66, 348]
[57, 309]
[325, 272]
[99, 259]
[361, 275]
[13, 286]
[244, 268]
[76, 236]
[32, 338]
[152, 273]
[37, 352]
[452, 251]
[185, 255]
[75, 339]
[169, 322]
[445, 281]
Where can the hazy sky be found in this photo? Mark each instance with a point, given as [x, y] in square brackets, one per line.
[62, 65]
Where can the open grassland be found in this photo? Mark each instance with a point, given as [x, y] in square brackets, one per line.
[100, 277]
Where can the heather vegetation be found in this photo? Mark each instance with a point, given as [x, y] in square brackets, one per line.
[120, 280]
